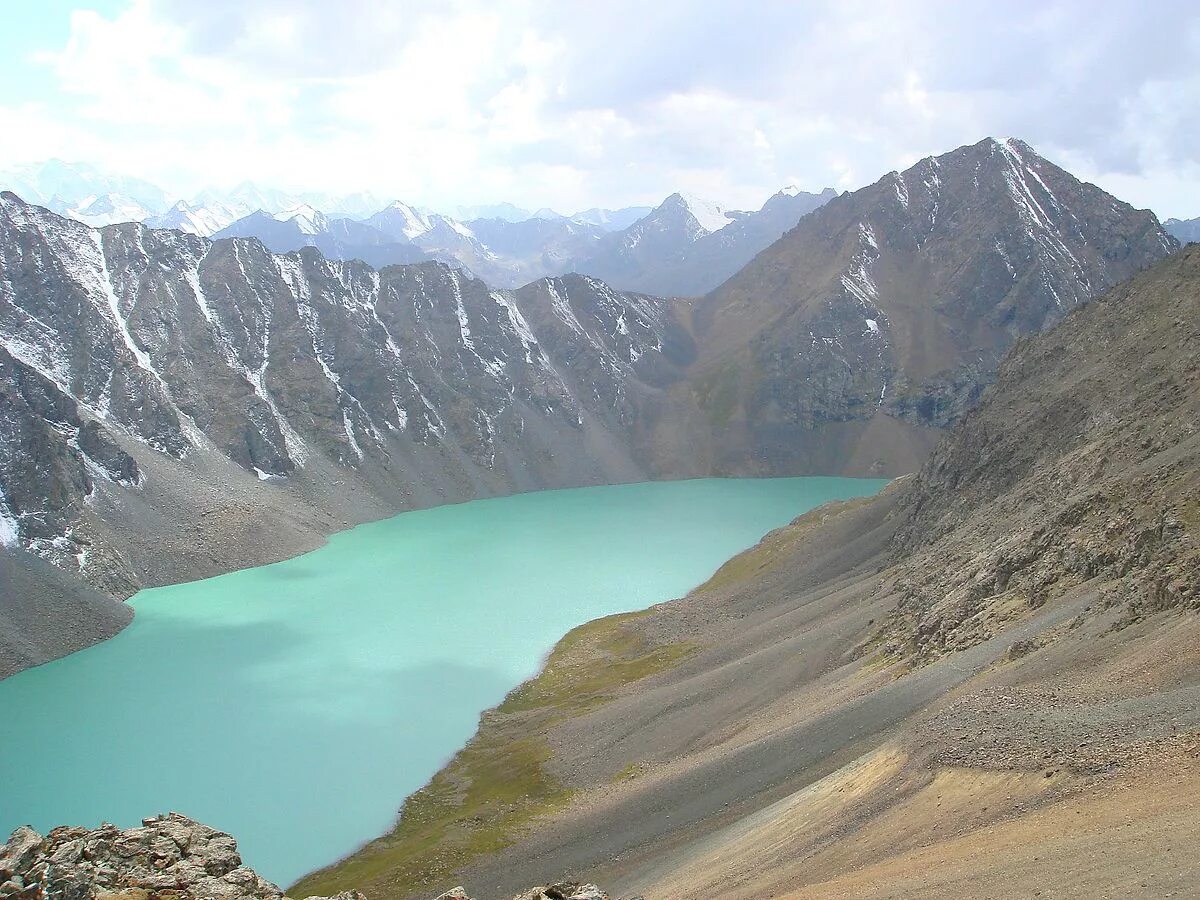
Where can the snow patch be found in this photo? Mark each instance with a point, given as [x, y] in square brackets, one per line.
[350, 437]
[10, 531]
[492, 367]
[872, 326]
[563, 309]
[707, 214]
[305, 218]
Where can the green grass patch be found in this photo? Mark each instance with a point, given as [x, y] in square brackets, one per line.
[498, 784]
[776, 547]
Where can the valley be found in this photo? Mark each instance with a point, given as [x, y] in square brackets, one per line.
[170, 400]
[985, 675]
[349, 674]
[997, 639]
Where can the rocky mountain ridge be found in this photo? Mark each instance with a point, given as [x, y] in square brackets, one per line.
[882, 315]
[137, 361]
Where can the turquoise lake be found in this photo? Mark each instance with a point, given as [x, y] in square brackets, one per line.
[296, 705]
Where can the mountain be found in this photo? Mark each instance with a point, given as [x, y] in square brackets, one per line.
[612, 219]
[204, 220]
[303, 226]
[177, 407]
[881, 317]
[400, 221]
[1186, 231]
[502, 252]
[65, 185]
[686, 247]
[358, 205]
[981, 682]
[634, 254]
[538, 247]
[108, 209]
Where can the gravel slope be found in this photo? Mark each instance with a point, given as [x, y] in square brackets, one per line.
[32, 593]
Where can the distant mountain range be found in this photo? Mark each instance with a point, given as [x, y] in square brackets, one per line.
[1186, 231]
[671, 250]
[687, 246]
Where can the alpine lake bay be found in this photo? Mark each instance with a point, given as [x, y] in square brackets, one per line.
[297, 704]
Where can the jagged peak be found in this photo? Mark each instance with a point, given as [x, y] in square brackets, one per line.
[709, 215]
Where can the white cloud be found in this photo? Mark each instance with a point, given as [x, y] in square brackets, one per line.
[573, 105]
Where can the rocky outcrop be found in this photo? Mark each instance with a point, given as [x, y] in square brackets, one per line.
[169, 856]
[1082, 464]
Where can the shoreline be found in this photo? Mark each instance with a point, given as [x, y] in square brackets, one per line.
[503, 780]
[321, 538]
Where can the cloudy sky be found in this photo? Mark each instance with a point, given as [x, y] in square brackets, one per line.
[572, 104]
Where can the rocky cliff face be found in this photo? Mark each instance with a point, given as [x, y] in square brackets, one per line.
[1082, 465]
[884, 314]
[141, 369]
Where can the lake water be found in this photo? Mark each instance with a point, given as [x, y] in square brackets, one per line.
[296, 705]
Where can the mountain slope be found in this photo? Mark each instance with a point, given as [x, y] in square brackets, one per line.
[34, 592]
[175, 407]
[915, 689]
[883, 315]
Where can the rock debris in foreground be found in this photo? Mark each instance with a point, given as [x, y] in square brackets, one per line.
[169, 857]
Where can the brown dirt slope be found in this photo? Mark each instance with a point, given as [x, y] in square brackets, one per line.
[984, 682]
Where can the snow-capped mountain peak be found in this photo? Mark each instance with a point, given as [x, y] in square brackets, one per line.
[307, 219]
[707, 214]
[404, 219]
